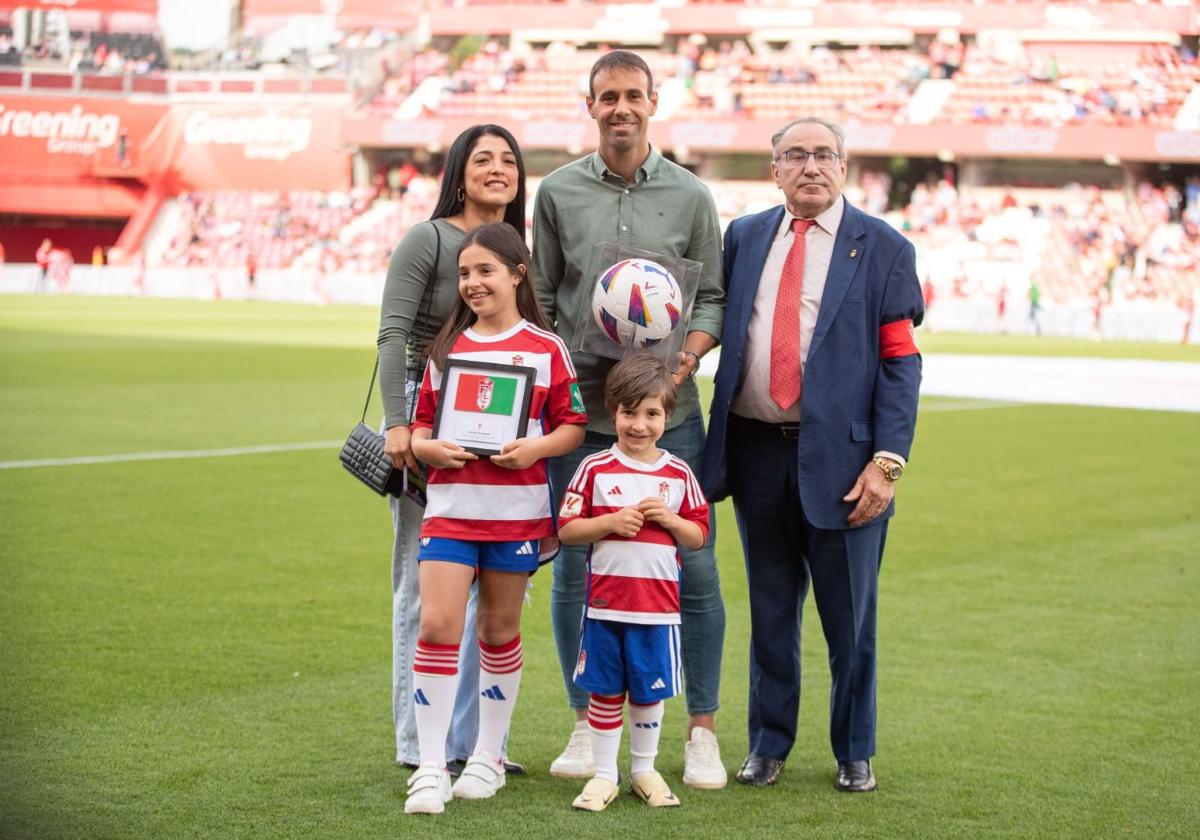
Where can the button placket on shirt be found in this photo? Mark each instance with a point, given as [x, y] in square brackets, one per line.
[625, 216]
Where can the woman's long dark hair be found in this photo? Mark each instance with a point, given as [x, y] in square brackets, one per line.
[449, 204]
[509, 248]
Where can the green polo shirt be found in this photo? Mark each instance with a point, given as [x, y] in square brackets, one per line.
[667, 210]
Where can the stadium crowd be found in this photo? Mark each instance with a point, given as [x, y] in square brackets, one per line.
[1081, 247]
[87, 52]
[994, 81]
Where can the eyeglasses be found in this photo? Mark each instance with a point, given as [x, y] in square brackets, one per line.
[799, 157]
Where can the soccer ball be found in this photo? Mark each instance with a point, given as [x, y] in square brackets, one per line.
[637, 303]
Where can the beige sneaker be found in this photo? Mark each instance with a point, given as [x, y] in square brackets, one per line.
[702, 767]
[596, 796]
[576, 760]
[652, 789]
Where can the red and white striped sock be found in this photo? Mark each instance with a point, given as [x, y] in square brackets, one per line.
[604, 721]
[500, 669]
[435, 678]
[645, 725]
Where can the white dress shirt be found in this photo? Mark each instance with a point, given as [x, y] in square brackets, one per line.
[753, 399]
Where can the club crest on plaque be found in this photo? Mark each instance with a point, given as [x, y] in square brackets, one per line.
[483, 397]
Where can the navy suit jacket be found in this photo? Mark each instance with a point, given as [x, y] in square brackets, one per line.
[853, 403]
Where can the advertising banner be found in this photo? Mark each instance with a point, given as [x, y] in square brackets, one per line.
[49, 148]
[62, 156]
[259, 146]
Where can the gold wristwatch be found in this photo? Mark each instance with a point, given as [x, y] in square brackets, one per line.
[891, 470]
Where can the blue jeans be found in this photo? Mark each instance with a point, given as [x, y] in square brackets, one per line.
[701, 607]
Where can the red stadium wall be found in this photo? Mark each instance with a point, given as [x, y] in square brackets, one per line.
[259, 146]
[50, 149]
[21, 237]
[67, 159]
[59, 156]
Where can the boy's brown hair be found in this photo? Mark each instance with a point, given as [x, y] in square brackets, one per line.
[635, 378]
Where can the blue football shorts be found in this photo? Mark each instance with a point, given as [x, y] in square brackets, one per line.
[511, 556]
[643, 659]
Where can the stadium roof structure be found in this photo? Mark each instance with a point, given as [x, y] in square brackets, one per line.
[853, 22]
[147, 7]
[261, 16]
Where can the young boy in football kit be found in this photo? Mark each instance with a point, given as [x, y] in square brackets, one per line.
[636, 505]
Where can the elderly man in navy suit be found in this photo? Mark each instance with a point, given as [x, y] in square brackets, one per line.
[812, 421]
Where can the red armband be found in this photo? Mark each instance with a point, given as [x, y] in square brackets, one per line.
[897, 339]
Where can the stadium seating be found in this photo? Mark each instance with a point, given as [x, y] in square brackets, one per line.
[1082, 245]
[1090, 88]
[225, 229]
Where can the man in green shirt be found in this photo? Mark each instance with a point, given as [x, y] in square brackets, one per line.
[628, 193]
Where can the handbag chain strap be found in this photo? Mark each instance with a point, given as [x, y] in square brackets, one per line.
[370, 388]
[430, 290]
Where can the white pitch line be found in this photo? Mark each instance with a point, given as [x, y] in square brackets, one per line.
[968, 405]
[81, 460]
[170, 455]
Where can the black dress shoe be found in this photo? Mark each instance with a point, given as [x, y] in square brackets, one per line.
[760, 770]
[855, 776]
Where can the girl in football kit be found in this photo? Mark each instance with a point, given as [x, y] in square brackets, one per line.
[485, 516]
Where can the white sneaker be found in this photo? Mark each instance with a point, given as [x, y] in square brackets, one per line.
[480, 778]
[428, 790]
[576, 761]
[702, 767]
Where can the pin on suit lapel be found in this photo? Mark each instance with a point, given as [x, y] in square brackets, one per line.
[849, 250]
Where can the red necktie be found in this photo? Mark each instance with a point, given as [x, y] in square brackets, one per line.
[785, 327]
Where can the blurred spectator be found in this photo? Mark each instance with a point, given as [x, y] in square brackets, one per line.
[42, 257]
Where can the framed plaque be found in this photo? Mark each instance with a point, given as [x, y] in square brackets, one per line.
[482, 406]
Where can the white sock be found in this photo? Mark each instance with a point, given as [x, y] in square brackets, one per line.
[435, 678]
[500, 669]
[645, 725]
[604, 721]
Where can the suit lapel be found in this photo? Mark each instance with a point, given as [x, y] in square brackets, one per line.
[750, 267]
[842, 269]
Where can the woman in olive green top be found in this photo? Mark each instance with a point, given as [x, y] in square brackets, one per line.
[484, 181]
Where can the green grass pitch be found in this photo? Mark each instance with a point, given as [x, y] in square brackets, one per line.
[200, 647]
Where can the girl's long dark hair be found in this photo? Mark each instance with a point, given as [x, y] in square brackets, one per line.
[509, 248]
[449, 204]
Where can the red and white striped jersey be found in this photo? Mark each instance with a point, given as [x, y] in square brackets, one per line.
[634, 579]
[481, 501]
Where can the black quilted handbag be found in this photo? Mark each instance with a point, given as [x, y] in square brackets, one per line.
[363, 455]
[364, 458]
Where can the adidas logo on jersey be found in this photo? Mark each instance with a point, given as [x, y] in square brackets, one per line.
[526, 548]
[419, 698]
[493, 693]
[658, 683]
[616, 491]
